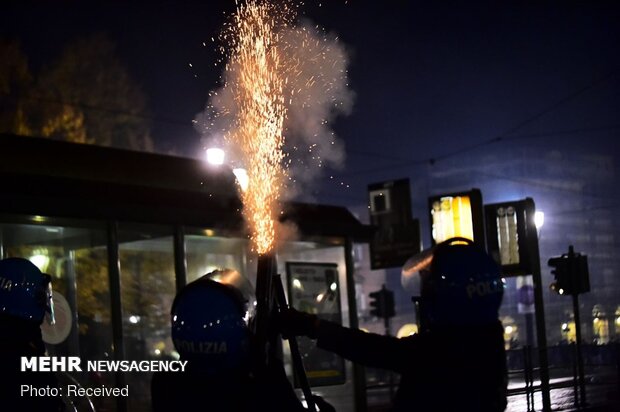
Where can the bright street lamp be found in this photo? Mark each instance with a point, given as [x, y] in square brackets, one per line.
[539, 219]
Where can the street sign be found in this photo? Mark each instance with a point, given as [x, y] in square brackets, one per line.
[511, 235]
[314, 288]
[525, 294]
[397, 235]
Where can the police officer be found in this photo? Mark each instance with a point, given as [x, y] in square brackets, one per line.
[25, 299]
[457, 362]
[210, 330]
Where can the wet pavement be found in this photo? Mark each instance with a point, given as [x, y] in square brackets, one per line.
[600, 396]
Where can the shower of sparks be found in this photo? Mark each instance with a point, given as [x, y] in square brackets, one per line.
[259, 96]
[283, 76]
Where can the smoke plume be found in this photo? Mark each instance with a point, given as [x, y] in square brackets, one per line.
[313, 64]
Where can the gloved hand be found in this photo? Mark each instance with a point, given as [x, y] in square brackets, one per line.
[294, 323]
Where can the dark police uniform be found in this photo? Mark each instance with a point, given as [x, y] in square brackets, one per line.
[446, 369]
[194, 391]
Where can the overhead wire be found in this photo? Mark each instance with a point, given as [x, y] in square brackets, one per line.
[506, 135]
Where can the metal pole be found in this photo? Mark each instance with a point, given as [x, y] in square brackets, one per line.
[529, 329]
[575, 378]
[1, 243]
[359, 373]
[386, 323]
[541, 332]
[529, 377]
[529, 337]
[542, 341]
[180, 260]
[298, 363]
[618, 363]
[114, 277]
[582, 383]
[266, 268]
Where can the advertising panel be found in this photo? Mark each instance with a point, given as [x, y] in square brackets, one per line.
[314, 288]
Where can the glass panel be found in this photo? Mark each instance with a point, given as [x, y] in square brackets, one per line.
[207, 253]
[76, 258]
[313, 288]
[340, 396]
[147, 292]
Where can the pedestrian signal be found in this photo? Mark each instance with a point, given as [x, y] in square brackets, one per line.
[382, 303]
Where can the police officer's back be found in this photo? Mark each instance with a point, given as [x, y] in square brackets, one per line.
[457, 362]
[210, 331]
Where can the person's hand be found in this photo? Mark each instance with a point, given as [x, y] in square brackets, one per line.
[294, 323]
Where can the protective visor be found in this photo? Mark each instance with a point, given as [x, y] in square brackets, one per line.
[50, 316]
[421, 262]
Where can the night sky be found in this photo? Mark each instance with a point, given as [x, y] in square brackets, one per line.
[429, 81]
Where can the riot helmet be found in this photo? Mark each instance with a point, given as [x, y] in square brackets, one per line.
[210, 325]
[25, 292]
[459, 284]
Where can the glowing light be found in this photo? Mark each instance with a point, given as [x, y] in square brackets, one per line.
[41, 261]
[452, 216]
[133, 319]
[215, 156]
[561, 291]
[297, 284]
[509, 329]
[320, 297]
[242, 178]
[333, 287]
[407, 329]
[539, 219]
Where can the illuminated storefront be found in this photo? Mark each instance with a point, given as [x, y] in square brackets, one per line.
[600, 325]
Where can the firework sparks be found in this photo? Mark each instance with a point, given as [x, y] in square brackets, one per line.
[258, 93]
[279, 79]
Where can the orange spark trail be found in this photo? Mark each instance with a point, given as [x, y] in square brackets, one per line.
[258, 94]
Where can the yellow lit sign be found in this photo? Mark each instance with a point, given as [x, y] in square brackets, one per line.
[452, 217]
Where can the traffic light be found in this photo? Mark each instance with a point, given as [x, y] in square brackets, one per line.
[571, 273]
[382, 303]
[562, 284]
